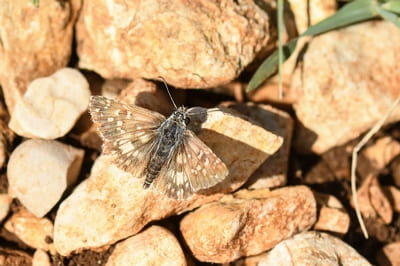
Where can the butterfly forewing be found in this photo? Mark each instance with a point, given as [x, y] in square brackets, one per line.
[193, 167]
[128, 132]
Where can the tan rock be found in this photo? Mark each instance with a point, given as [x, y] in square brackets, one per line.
[154, 246]
[312, 248]
[338, 101]
[51, 106]
[5, 202]
[114, 203]
[33, 47]
[382, 152]
[39, 171]
[389, 255]
[12, 256]
[373, 201]
[33, 231]
[333, 216]
[40, 258]
[273, 172]
[191, 43]
[247, 223]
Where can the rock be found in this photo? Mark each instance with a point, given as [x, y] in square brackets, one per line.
[111, 204]
[272, 173]
[311, 248]
[191, 44]
[40, 258]
[247, 223]
[373, 201]
[393, 194]
[35, 42]
[33, 231]
[332, 215]
[382, 152]
[13, 257]
[337, 101]
[39, 171]
[154, 246]
[51, 105]
[5, 202]
[389, 255]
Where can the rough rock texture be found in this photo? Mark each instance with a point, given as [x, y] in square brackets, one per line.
[6, 138]
[51, 105]
[31, 230]
[247, 223]
[393, 194]
[347, 81]
[154, 246]
[190, 43]
[39, 171]
[34, 42]
[114, 203]
[310, 248]
[332, 215]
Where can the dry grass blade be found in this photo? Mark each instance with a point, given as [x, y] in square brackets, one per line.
[356, 149]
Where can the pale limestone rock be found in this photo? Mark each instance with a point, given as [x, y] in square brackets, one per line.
[190, 43]
[33, 231]
[112, 204]
[51, 105]
[154, 246]
[5, 202]
[382, 152]
[389, 255]
[312, 248]
[273, 172]
[35, 42]
[337, 98]
[247, 223]
[332, 216]
[40, 258]
[39, 171]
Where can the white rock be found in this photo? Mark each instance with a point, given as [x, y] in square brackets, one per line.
[39, 171]
[154, 246]
[40, 258]
[313, 248]
[51, 105]
[31, 230]
[5, 202]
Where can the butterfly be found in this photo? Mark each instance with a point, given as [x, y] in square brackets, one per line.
[163, 150]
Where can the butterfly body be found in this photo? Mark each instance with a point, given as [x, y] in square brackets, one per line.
[170, 134]
[164, 151]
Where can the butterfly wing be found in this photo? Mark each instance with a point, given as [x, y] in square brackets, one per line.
[193, 167]
[128, 132]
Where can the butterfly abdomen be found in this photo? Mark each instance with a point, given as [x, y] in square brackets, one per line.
[170, 136]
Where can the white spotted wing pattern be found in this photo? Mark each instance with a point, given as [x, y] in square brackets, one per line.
[146, 144]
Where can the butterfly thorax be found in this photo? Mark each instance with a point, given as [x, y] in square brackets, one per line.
[169, 138]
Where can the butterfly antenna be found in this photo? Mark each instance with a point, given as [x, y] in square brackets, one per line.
[166, 86]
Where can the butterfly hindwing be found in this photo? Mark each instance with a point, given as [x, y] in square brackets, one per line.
[128, 132]
[193, 167]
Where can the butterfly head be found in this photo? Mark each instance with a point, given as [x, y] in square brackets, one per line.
[180, 116]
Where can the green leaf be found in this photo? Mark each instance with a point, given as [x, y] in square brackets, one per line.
[355, 11]
[270, 65]
[35, 2]
[389, 16]
[392, 6]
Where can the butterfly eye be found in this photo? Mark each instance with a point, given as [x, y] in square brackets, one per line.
[187, 120]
